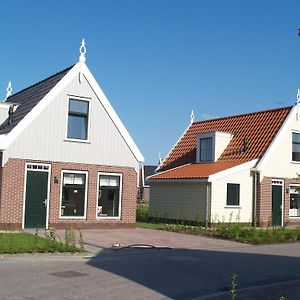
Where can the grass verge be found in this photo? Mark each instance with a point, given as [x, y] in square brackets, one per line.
[12, 243]
[234, 231]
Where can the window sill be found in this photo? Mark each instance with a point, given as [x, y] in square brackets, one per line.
[233, 206]
[294, 217]
[77, 141]
[108, 218]
[72, 218]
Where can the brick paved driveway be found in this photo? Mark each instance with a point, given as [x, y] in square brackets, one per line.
[195, 268]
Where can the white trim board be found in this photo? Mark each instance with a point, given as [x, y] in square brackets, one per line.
[276, 139]
[163, 161]
[80, 67]
[228, 172]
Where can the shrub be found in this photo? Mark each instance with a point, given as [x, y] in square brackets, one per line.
[142, 213]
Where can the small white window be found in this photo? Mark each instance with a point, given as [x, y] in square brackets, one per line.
[109, 195]
[294, 201]
[78, 119]
[206, 149]
[233, 194]
[296, 146]
[73, 194]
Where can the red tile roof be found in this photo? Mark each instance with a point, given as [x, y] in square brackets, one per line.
[258, 128]
[193, 171]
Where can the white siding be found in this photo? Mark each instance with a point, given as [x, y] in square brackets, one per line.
[222, 140]
[44, 138]
[178, 200]
[222, 213]
[280, 162]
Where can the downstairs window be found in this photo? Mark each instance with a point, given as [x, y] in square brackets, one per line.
[109, 196]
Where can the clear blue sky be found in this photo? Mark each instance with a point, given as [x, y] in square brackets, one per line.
[156, 60]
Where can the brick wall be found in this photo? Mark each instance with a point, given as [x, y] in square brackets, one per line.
[12, 194]
[264, 202]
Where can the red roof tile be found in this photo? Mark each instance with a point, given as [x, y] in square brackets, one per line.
[258, 128]
[193, 171]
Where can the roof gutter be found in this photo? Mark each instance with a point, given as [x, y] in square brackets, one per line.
[179, 180]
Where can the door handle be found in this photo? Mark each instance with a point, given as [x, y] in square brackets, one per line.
[45, 202]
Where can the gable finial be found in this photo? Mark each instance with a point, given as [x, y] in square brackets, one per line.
[298, 96]
[160, 160]
[82, 51]
[8, 90]
[192, 116]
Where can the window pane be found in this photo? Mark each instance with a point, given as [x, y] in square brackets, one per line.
[206, 149]
[233, 194]
[78, 106]
[296, 147]
[294, 202]
[77, 127]
[73, 195]
[109, 196]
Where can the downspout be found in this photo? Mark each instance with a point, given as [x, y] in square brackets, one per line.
[206, 206]
[254, 208]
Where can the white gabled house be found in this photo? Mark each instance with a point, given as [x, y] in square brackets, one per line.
[242, 168]
[66, 157]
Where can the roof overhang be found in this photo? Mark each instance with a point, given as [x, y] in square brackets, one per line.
[211, 178]
[231, 171]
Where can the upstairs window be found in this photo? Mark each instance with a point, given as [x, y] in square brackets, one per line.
[78, 117]
[206, 145]
[233, 194]
[295, 146]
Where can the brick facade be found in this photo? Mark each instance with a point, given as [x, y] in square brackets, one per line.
[12, 195]
[264, 202]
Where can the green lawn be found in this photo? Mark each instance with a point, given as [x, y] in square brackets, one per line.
[11, 243]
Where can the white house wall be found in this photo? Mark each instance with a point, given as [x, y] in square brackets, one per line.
[222, 213]
[279, 163]
[44, 138]
[178, 200]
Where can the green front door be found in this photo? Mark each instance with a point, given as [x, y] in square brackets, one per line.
[36, 199]
[276, 205]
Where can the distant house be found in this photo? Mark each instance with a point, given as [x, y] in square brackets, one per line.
[144, 186]
[66, 157]
[242, 168]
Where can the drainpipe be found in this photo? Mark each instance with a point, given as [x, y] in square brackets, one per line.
[254, 208]
[206, 206]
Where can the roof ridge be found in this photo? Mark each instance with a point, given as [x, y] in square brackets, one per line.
[245, 114]
[39, 82]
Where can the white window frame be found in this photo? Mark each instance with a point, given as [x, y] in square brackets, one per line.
[48, 189]
[85, 194]
[290, 186]
[291, 147]
[233, 205]
[71, 97]
[201, 136]
[120, 195]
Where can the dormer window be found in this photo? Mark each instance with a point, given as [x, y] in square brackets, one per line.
[210, 145]
[78, 119]
[206, 148]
